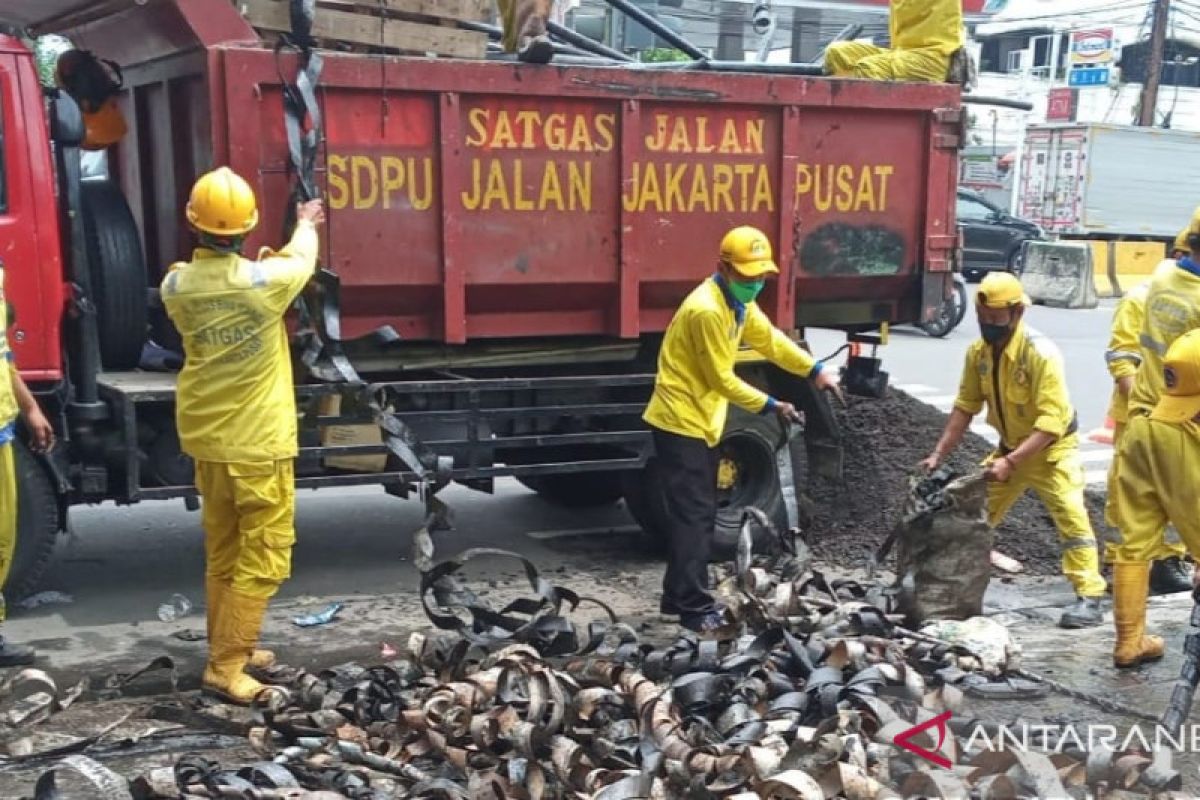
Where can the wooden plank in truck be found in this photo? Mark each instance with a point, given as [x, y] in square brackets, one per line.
[370, 30]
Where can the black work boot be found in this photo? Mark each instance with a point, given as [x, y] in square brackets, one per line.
[1086, 613]
[536, 50]
[15, 655]
[1170, 576]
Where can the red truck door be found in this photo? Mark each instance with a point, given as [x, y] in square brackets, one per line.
[29, 246]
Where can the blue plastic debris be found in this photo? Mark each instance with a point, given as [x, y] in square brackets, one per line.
[322, 617]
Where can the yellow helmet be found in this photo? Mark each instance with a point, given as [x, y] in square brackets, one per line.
[748, 250]
[222, 203]
[1001, 290]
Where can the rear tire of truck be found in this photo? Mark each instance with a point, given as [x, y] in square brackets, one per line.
[37, 525]
[578, 490]
[748, 476]
[117, 271]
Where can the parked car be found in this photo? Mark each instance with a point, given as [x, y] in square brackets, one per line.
[992, 239]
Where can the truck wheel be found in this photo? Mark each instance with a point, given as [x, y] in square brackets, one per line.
[37, 525]
[747, 476]
[118, 273]
[578, 490]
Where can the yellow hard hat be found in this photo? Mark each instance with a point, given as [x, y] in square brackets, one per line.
[1001, 290]
[1180, 400]
[222, 203]
[1193, 228]
[748, 250]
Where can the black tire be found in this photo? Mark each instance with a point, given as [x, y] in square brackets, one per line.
[37, 525]
[576, 490]
[750, 443]
[973, 275]
[1015, 263]
[117, 270]
[949, 315]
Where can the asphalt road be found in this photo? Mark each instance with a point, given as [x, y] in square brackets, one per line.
[119, 564]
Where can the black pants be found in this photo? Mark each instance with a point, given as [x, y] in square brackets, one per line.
[687, 470]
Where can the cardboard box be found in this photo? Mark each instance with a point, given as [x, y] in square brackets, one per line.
[346, 435]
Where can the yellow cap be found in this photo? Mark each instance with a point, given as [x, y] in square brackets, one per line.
[748, 250]
[222, 203]
[1180, 400]
[1001, 290]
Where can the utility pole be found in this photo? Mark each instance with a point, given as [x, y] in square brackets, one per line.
[1158, 40]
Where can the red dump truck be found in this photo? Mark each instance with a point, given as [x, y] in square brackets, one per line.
[524, 232]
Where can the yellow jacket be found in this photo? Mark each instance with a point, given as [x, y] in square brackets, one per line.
[919, 24]
[1172, 309]
[1124, 352]
[1026, 392]
[8, 401]
[236, 401]
[696, 380]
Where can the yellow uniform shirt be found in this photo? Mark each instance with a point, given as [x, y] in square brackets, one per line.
[8, 401]
[696, 380]
[236, 401]
[1025, 392]
[919, 24]
[1124, 352]
[1172, 309]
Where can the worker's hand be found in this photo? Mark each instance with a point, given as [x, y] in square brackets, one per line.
[999, 471]
[1125, 385]
[931, 463]
[313, 211]
[827, 380]
[41, 432]
[788, 413]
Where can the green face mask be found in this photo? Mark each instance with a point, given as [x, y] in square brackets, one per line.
[746, 292]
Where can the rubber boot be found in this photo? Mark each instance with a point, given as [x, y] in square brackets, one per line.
[1131, 587]
[536, 50]
[214, 588]
[1170, 576]
[237, 621]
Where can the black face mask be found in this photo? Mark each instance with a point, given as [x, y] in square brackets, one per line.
[993, 333]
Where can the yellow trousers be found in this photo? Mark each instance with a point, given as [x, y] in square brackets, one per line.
[520, 18]
[864, 60]
[8, 514]
[249, 513]
[1157, 485]
[1169, 545]
[1056, 476]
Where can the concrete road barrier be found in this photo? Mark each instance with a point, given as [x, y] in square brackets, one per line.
[1119, 266]
[1060, 274]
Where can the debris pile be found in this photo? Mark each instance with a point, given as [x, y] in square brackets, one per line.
[815, 693]
[884, 441]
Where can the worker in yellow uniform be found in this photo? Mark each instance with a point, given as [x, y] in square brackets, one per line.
[695, 384]
[1157, 485]
[523, 25]
[1172, 310]
[1169, 573]
[236, 413]
[925, 35]
[15, 401]
[1018, 374]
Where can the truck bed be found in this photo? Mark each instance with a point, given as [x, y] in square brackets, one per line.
[480, 200]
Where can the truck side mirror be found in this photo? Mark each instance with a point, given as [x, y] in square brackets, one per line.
[66, 121]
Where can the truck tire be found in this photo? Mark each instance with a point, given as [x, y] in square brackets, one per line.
[576, 490]
[37, 524]
[117, 271]
[749, 476]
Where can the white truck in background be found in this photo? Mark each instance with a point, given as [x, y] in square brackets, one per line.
[1109, 182]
